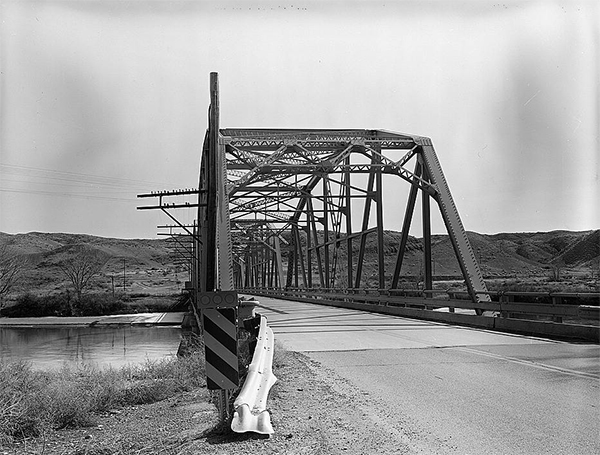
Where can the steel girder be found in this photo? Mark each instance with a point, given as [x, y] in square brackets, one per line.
[278, 208]
[303, 188]
[295, 197]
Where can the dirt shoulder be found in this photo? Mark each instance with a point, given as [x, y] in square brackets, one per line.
[313, 412]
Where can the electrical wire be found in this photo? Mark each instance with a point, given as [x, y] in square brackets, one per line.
[50, 182]
[73, 176]
[71, 195]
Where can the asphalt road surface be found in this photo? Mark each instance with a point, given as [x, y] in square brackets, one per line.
[452, 389]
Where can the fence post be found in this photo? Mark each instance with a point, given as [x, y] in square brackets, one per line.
[505, 299]
[556, 300]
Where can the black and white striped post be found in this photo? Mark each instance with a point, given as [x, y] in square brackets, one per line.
[220, 346]
[219, 321]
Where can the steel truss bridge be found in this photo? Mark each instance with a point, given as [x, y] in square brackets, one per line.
[278, 209]
[302, 189]
[290, 213]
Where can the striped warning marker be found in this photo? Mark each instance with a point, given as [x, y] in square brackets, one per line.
[220, 347]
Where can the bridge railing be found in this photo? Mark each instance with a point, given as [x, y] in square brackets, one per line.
[553, 306]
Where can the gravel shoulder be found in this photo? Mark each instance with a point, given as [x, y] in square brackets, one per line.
[313, 412]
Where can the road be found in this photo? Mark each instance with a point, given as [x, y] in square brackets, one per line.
[452, 389]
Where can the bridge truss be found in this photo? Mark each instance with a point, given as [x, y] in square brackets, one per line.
[293, 208]
[299, 191]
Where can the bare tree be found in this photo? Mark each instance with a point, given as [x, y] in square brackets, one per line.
[82, 265]
[556, 270]
[11, 267]
[594, 265]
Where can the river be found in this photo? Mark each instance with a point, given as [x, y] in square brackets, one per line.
[50, 347]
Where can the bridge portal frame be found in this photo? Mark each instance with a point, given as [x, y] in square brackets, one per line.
[297, 187]
[276, 207]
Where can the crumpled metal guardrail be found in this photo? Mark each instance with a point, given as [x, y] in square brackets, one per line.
[251, 404]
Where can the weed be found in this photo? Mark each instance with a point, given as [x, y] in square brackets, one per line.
[280, 355]
[70, 397]
[20, 410]
[68, 404]
[281, 358]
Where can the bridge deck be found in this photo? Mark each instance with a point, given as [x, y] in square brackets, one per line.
[458, 390]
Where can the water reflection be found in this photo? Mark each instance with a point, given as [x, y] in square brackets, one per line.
[48, 348]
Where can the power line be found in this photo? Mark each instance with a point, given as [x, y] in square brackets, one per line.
[78, 185]
[78, 177]
[71, 195]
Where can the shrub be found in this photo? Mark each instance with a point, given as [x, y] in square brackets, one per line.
[70, 397]
[139, 303]
[96, 304]
[21, 412]
[68, 404]
[99, 305]
[29, 305]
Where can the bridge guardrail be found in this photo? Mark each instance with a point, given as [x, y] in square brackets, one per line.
[250, 406]
[508, 314]
[505, 306]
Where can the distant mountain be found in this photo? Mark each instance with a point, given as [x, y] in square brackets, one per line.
[151, 266]
[532, 251]
[582, 252]
[145, 265]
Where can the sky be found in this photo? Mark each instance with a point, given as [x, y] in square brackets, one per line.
[104, 100]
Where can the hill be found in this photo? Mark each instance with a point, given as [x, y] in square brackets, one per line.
[138, 265]
[151, 267]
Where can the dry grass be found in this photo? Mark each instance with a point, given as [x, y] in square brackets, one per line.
[31, 401]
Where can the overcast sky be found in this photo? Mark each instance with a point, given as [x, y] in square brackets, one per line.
[102, 100]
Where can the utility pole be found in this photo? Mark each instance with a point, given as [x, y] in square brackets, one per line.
[123, 275]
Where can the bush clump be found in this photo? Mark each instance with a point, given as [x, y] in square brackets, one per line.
[65, 304]
[30, 305]
[31, 401]
[20, 407]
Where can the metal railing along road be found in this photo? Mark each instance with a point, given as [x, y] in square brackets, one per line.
[530, 312]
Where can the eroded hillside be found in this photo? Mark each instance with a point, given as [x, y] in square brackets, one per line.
[136, 265]
[150, 266]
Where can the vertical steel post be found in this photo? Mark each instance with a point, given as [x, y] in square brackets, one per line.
[379, 211]
[311, 214]
[308, 253]
[296, 232]
[225, 256]
[273, 271]
[326, 231]
[365, 226]
[250, 269]
[290, 261]
[348, 213]
[200, 238]
[279, 282]
[427, 275]
[408, 214]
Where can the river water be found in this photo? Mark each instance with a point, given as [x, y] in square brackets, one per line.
[50, 347]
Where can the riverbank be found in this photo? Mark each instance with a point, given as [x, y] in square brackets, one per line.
[34, 404]
[313, 411]
[167, 319]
